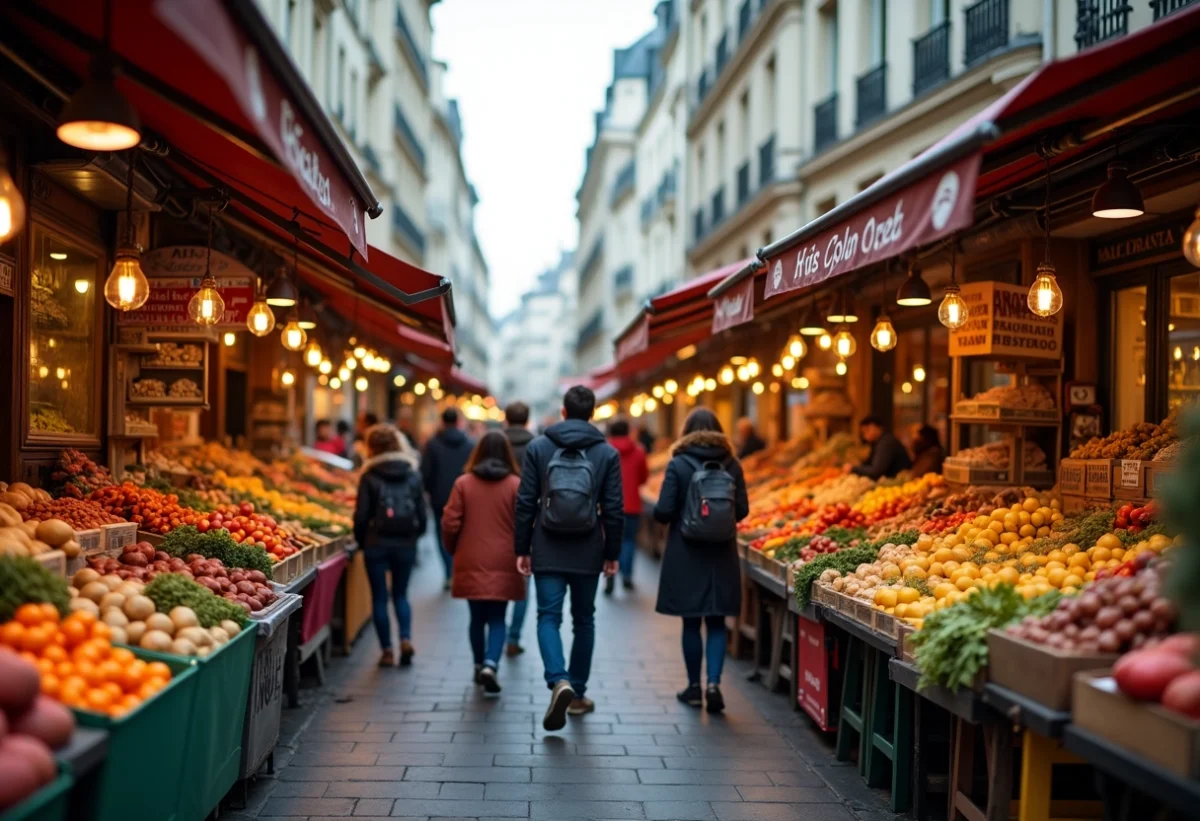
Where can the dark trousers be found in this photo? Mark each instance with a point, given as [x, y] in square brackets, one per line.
[399, 561]
[694, 649]
[489, 615]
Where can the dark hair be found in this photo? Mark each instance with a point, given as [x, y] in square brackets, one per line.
[618, 427]
[450, 416]
[492, 445]
[872, 419]
[322, 423]
[370, 418]
[517, 414]
[926, 438]
[702, 419]
[580, 403]
[382, 439]
[343, 427]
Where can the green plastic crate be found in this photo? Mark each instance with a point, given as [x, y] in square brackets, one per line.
[214, 742]
[47, 804]
[141, 775]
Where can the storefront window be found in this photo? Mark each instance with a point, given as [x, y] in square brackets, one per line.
[921, 382]
[1183, 347]
[63, 341]
[1129, 372]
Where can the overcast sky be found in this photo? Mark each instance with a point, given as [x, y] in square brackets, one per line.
[528, 74]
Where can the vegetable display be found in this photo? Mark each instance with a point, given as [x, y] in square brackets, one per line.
[23, 580]
[216, 544]
[31, 726]
[171, 590]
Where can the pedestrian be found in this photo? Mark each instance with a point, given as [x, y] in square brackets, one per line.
[344, 434]
[888, 455]
[442, 463]
[633, 475]
[389, 517]
[645, 438]
[516, 420]
[477, 529]
[326, 442]
[748, 439]
[358, 449]
[927, 453]
[569, 518]
[703, 498]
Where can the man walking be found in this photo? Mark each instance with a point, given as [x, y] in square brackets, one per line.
[570, 515]
[633, 475]
[516, 420]
[442, 462]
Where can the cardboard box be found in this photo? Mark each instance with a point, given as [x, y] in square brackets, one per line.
[1034, 671]
[1163, 737]
[1098, 477]
[1071, 477]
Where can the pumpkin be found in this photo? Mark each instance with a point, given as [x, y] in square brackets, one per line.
[22, 488]
[19, 501]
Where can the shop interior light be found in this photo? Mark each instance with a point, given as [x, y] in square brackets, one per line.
[796, 382]
[810, 323]
[906, 387]
[344, 374]
[43, 371]
[777, 370]
[61, 373]
[419, 389]
[919, 373]
[58, 256]
[1178, 353]
[351, 363]
[308, 316]
[725, 375]
[743, 373]
[883, 336]
[758, 388]
[787, 361]
[840, 368]
[282, 291]
[1045, 297]
[914, 292]
[360, 351]
[98, 117]
[322, 380]
[293, 336]
[1117, 198]
[658, 391]
[12, 204]
[753, 368]
[844, 344]
[1191, 241]
[287, 378]
[230, 339]
[360, 384]
[840, 312]
[804, 383]
[650, 404]
[825, 341]
[127, 288]
[312, 354]
[326, 367]
[710, 384]
[671, 386]
[953, 312]
[433, 383]
[399, 380]
[797, 347]
[335, 383]
[82, 286]
[668, 398]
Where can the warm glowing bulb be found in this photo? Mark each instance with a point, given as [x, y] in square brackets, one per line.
[1196, 353]
[796, 382]
[43, 372]
[351, 363]
[325, 366]
[758, 388]
[788, 361]
[743, 373]
[919, 373]
[206, 306]
[804, 383]
[883, 337]
[360, 352]
[658, 391]
[844, 344]
[635, 410]
[825, 342]
[343, 374]
[61, 373]
[1191, 240]
[82, 286]
[840, 368]
[906, 387]
[399, 380]
[260, 319]
[434, 383]
[12, 207]
[650, 405]
[127, 288]
[51, 342]
[725, 375]
[1045, 298]
[752, 367]
[671, 386]
[774, 387]
[796, 347]
[777, 370]
[322, 380]
[312, 354]
[419, 389]
[668, 398]
[360, 384]
[368, 360]
[1178, 354]
[953, 311]
[287, 378]
[230, 339]
[335, 383]
[293, 336]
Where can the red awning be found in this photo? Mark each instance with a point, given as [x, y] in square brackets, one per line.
[464, 382]
[1145, 76]
[450, 377]
[212, 81]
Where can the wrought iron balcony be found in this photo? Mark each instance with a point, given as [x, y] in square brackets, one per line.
[698, 225]
[409, 233]
[766, 162]
[931, 58]
[405, 35]
[1100, 20]
[825, 122]
[718, 206]
[1162, 8]
[405, 131]
[986, 25]
[722, 54]
[871, 97]
[743, 183]
[745, 18]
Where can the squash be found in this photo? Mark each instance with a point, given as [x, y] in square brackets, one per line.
[42, 495]
[54, 532]
[30, 528]
[19, 501]
[9, 516]
[16, 534]
[22, 488]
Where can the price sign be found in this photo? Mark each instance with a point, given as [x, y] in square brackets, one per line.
[1131, 472]
[175, 273]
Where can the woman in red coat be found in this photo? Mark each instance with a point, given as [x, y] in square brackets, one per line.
[477, 529]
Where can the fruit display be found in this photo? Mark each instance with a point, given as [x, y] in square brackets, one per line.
[80, 514]
[18, 538]
[1163, 672]
[148, 388]
[1141, 441]
[77, 476]
[32, 725]
[48, 420]
[22, 580]
[997, 456]
[175, 355]
[184, 389]
[141, 562]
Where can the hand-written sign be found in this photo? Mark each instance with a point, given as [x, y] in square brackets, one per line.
[999, 323]
[175, 273]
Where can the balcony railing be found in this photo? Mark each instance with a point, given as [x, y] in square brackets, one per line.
[931, 58]
[825, 122]
[623, 279]
[623, 184]
[702, 86]
[698, 225]
[745, 17]
[722, 53]
[1162, 8]
[410, 44]
[404, 130]
[718, 206]
[409, 233]
[743, 183]
[591, 329]
[986, 25]
[589, 266]
[871, 97]
[766, 162]
[1100, 20]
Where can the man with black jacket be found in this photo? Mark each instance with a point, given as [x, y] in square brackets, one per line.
[562, 561]
[888, 455]
[442, 462]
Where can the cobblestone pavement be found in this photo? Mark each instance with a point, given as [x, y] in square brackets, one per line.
[424, 742]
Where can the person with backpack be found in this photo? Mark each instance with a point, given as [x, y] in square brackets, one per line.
[477, 529]
[442, 463]
[389, 517]
[569, 520]
[703, 498]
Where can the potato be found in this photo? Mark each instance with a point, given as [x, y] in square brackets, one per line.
[196, 635]
[139, 607]
[113, 617]
[130, 589]
[183, 647]
[112, 581]
[155, 640]
[94, 591]
[134, 632]
[111, 599]
[119, 635]
[230, 627]
[84, 576]
[218, 634]
[184, 617]
[80, 603]
[160, 622]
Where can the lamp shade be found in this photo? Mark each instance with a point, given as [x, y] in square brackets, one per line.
[308, 316]
[282, 292]
[914, 291]
[811, 324]
[1118, 198]
[98, 117]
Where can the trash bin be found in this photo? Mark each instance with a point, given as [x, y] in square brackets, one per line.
[264, 703]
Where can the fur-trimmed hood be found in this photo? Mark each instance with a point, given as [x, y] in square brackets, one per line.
[393, 462]
[703, 440]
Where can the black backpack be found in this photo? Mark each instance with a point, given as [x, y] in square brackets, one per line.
[709, 509]
[568, 498]
[396, 516]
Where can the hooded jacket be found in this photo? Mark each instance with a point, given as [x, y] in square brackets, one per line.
[887, 458]
[633, 472]
[445, 455]
[554, 553]
[518, 439]
[477, 528]
[395, 468]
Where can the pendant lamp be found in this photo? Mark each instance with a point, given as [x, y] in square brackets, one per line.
[260, 319]
[1045, 297]
[206, 306]
[914, 292]
[810, 323]
[953, 311]
[127, 288]
[1117, 198]
[883, 335]
[12, 204]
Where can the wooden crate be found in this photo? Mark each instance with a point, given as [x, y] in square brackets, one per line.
[904, 634]
[1079, 504]
[963, 474]
[286, 570]
[90, 541]
[886, 623]
[1152, 475]
[150, 538]
[1098, 477]
[864, 613]
[824, 595]
[969, 410]
[1044, 675]
[1071, 477]
[53, 560]
[118, 535]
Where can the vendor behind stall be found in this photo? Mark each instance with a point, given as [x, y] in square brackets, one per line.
[927, 453]
[888, 455]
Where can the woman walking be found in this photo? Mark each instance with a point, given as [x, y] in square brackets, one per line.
[703, 497]
[389, 517]
[477, 530]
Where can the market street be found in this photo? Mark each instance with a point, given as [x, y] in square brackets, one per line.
[424, 742]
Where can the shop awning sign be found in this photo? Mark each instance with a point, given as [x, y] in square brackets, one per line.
[175, 272]
[734, 307]
[928, 209]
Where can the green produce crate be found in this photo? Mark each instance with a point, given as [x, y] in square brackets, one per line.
[47, 804]
[214, 742]
[141, 776]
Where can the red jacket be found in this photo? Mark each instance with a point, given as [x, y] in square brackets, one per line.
[633, 471]
[477, 528]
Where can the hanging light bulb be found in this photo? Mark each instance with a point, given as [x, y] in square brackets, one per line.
[752, 367]
[1191, 241]
[671, 386]
[743, 373]
[825, 341]
[127, 288]
[953, 311]
[777, 370]
[325, 367]
[787, 361]
[914, 292]
[840, 368]
[710, 384]
[906, 387]
[293, 336]
[796, 382]
[287, 378]
[12, 204]
[1177, 353]
[322, 380]
[308, 317]
[840, 314]
[725, 375]
[919, 373]
[657, 390]
[810, 324]
[206, 307]
[312, 354]
[668, 398]
[230, 339]
[360, 384]
[282, 291]
[758, 388]
[804, 383]
[883, 337]
[260, 319]
[434, 383]
[844, 344]
[650, 405]
[335, 383]
[351, 363]
[343, 373]
[399, 380]
[796, 347]
[368, 360]
[1045, 297]
[419, 389]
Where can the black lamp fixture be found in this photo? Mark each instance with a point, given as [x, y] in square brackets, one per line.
[308, 316]
[98, 117]
[810, 323]
[282, 291]
[914, 292]
[1118, 198]
[839, 310]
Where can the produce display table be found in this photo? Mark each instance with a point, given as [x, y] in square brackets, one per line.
[877, 640]
[311, 632]
[1130, 786]
[264, 701]
[774, 626]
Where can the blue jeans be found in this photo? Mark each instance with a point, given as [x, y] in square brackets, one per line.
[518, 617]
[629, 544]
[551, 593]
[400, 561]
[447, 559]
[491, 615]
[694, 648]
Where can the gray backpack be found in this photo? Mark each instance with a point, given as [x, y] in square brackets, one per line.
[709, 509]
[568, 498]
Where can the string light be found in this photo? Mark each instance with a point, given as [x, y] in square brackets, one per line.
[360, 384]
[788, 361]
[907, 387]
[671, 386]
[658, 391]
[126, 288]
[650, 405]
[335, 383]
[326, 367]
[1045, 297]
[312, 355]
[753, 368]
[287, 378]
[777, 370]
[344, 374]
[710, 384]
[419, 389]
[758, 388]
[293, 336]
[230, 339]
[351, 363]
[953, 311]
[260, 319]
[743, 373]
[796, 347]
[725, 375]
[796, 382]
[840, 368]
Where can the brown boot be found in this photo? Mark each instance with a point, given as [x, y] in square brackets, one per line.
[406, 652]
[387, 659]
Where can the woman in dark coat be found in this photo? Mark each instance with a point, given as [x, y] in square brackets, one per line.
[700, 581]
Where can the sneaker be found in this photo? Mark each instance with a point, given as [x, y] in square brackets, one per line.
[560, 699]
[513, 649]
[387, 659]
[716, 701]
[581, 706]
[487, 677]
[627, 583]
[610, 584]
[692, 696]
[406, 652]
[478, 670]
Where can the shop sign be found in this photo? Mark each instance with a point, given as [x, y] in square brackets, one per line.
[925, 211]
[999, 323]
[734, 307]
[636, 341]
[812, 665]
[8, 275]
[175, 273]
[1145, 241]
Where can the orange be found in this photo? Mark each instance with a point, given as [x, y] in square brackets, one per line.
[55, 652]
[157, 669]
[91, 673]
[71, 691]
[37, 638]
[133, 675]
[45, 665]
[98, 699]
[114, 690]
[88, 651]
[51, 684]
[100, 630]
[130, 701]
[109, 670]
[74, 630]
[84, 617]
[122, 655]
[150, 687]
[29, 614]
[65, 669]
[49, 612]
[11, 634]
